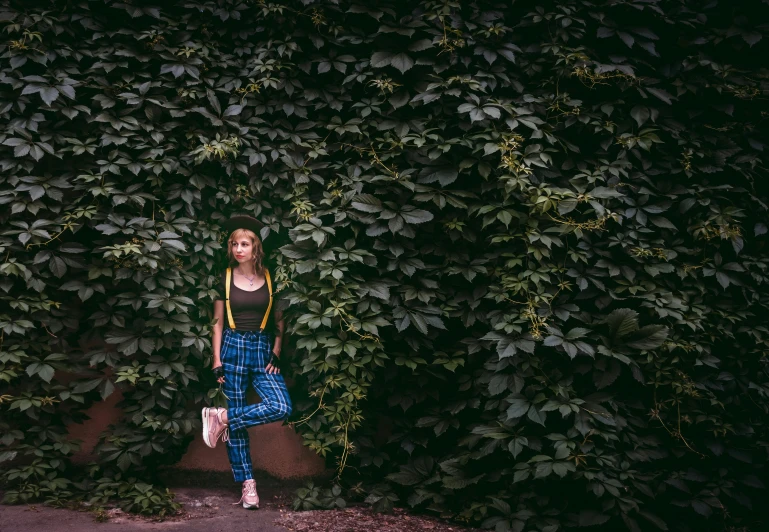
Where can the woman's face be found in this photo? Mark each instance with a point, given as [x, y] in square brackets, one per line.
[242, 249]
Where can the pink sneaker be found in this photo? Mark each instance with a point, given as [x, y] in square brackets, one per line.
[213, 427]
[250, 498]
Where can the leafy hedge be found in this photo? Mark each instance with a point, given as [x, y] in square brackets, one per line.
[524, 246]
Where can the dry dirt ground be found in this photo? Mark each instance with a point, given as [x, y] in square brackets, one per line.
[207, 507]
[358, 519]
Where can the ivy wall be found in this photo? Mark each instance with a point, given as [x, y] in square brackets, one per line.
[524, 246]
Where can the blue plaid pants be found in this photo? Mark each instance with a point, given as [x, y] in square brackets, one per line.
[244, 356]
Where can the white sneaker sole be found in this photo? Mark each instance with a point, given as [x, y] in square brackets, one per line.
[250, 506]
[205, 428]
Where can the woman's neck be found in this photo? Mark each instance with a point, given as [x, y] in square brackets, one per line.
[249, 270]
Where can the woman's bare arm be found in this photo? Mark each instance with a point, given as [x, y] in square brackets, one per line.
[280, 325]
[218, 326]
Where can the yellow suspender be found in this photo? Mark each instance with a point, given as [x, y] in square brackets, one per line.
[227, 298]
[269, 305]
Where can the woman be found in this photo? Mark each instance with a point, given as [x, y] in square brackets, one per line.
[245, 353]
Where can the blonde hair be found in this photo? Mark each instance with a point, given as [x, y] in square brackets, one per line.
[258, 255]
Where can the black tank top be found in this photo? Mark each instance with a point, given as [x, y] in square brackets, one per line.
[248, 308]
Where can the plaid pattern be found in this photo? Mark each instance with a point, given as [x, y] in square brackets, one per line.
[244, 358]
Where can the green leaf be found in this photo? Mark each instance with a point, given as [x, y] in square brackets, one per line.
[659, 523]
[57, 267]
[622, 322]
[537, 416]
[518, 407]
[86, 386]
[498, 384]
[416, 216]
[381, 59]
[516, 446]
[445, 176]
[641, 114]
[402, 62]
[6, 456]
[421, 44]
[661, 94]
[648, 337]
[563, 468]
[49, 95]
[591, 518]
[367, 203]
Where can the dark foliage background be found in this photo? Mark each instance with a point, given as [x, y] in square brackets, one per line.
[524, 245]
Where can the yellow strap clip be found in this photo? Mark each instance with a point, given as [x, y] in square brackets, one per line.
[269, 305]
[227, 298]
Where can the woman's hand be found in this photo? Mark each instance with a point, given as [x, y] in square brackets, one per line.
[273, 366]
[219, 374]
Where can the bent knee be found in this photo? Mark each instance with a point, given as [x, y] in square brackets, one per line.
[282, 410]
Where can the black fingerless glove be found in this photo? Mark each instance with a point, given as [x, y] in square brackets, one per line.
[218, 372]
[274, 360]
